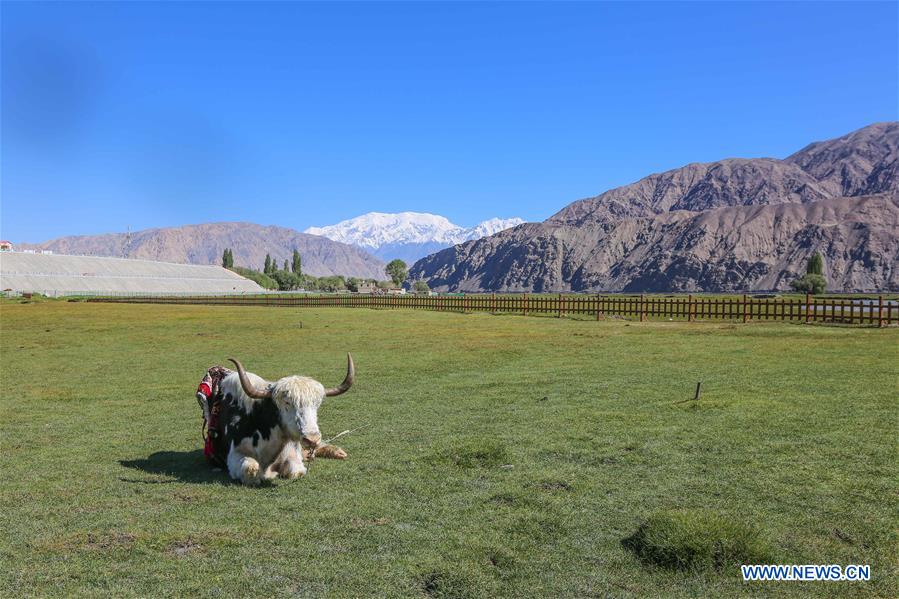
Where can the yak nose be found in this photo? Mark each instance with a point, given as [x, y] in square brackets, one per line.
[312, 439]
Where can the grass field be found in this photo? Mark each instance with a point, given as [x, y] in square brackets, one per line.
[504, 456]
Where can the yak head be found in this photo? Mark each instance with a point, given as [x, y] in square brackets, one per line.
[297, 399]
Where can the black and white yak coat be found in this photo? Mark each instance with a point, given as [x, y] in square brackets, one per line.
[264, 430]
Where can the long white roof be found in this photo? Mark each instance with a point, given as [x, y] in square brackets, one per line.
[57, 274]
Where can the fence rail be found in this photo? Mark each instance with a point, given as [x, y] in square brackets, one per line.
[872, 312]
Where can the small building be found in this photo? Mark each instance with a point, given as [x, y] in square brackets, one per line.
[367, 288]
[396, 291]
[5, 246]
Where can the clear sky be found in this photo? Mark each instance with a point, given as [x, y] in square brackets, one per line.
[160, 114]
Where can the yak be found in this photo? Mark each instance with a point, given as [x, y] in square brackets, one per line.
[261, 430]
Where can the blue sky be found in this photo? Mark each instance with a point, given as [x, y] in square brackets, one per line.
[161, 114]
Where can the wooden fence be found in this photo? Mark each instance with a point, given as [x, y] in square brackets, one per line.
[872, 312]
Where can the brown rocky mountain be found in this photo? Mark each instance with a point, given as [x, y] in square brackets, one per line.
[732, 225]
[204, 244]
[862, 162]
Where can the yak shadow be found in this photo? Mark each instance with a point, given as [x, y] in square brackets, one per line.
[178, 466]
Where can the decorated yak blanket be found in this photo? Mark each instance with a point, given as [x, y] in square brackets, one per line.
[209, 396]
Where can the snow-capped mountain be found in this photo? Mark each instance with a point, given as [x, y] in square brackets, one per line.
[407, 235]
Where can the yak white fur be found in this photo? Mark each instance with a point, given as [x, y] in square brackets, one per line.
[297, 399]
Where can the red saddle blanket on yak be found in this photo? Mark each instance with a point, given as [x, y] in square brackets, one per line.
[209, 396]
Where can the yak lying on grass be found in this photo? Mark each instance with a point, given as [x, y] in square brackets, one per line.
[261, 430]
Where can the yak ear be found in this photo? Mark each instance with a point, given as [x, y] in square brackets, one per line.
[347, 381]
[248, 387]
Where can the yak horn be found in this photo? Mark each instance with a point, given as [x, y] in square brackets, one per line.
[248, 387]
[347, 382]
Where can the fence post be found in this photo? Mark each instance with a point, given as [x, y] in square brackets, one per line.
[642, 307]
[493, 303]
[808, 307]
[745, 316]
[560, 305]
[598, 307]
[525, 304]
[880, 311]
[690, 317]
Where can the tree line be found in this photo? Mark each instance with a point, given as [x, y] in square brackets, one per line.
[291, 277]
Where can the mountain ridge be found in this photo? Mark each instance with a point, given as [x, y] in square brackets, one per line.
[407, 235]
[204, 244]
[591, 244]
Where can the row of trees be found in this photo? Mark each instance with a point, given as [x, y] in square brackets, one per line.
[271, 277]
[271, 266]
[291, 276]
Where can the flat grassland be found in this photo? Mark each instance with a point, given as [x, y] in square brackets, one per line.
[503, 455]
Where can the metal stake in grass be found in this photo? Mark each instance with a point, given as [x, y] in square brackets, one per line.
[311, 457]
[695, 397]
[337, 436]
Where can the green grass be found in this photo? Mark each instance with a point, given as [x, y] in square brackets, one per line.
[505, 456]
[697, 540]
[260, 278]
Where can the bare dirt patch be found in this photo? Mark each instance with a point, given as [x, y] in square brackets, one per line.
[185, 547]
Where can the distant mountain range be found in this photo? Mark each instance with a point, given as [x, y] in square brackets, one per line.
[350, 248]
[204, 244]
[732, 225]
[407, 235]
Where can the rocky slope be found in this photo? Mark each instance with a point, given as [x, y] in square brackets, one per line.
[736, 224]
[204, 244]
[862, 162]
[407, 235]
